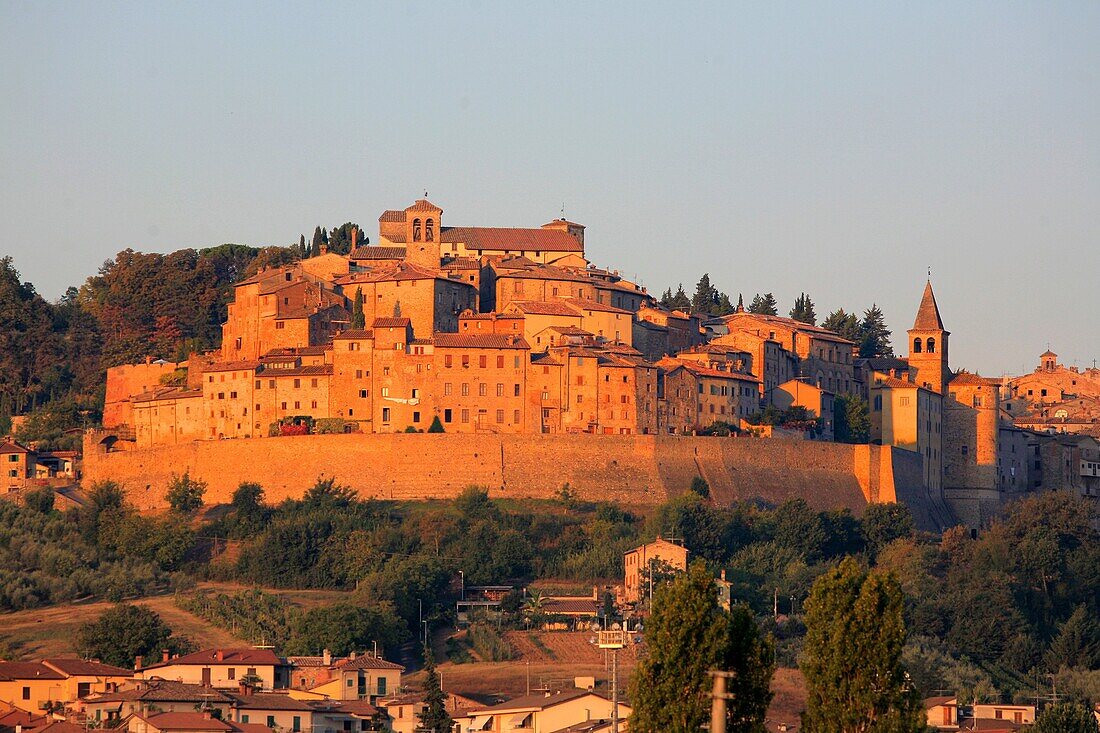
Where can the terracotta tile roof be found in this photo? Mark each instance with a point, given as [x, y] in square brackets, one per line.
[165, 393]
[391, 215]
[306, 370]
[546, 308]
[358, 708]
[815, 331]
[561, 222]
[61, 726]
[545, 359]
[534, 702]
[514, 263]
[295, 351]
[378, 253]
[355, 333]
[368, 661]
[390, 272]
[570, 606]
[270, 701]
[928, 314]
[969, 379]
[391, 322]
[9, 718]
[11, 446]
[462, 263]
[184, 722]
[702, 371]
[570, 331]
[423, 205]
[232, 366]
[592, 305]
[84, 668]
[543, 272]
[894, 383]
[237, 657]
[161, 690]
[395, 237]
[1047, 353]
[509, 238]
[28, 671]
[479, 341]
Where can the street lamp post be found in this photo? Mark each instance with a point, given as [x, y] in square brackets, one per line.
[614, 639]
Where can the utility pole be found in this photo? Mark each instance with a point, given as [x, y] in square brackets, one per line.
[719, 696]
[614, 640]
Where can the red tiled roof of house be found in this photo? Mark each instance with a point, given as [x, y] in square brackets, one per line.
[479, 341]
[815, 331]
[378, 253]
[570, 606]
[61, 726]
[703, 371]
[355, 333]
[560, 222]
[270, 701]
[358, 708]
[391, 272]
[391, 322]
[285, 351]
[12, 446]
[423, 205]
[534, 702]
[392, 215]
[232, 366]
[462, 263]
[161, 690]
[238, 657]
[85, 668]
[592, 305]
[184, 722]
[367, 661]
[512, 238]
[166, 393]
[546, 308]
[895, 383]
[28, 671]
[306, 370]
[969, 379]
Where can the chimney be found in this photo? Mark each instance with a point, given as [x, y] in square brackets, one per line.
[163, 655]
[353, 655]
[324, 249]
[326, 658]
[137, 662]
[219, 655]
[354, 238]
[206, 715]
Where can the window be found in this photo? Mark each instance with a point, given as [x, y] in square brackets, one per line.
[382, 680]
[258, 384]
[416, 417]
[965, 450]
[297, 404]
[482, 389]
[297, 384]
[447, 361]
[465, 389]
[429, 231]
[232, 673]
[313, 383]
[385, 418]
[904, 401]
[500, 416]
[500, 389]
[447, 388]
[271, 721]
[26, 693]
[416, 230]
[297, 724]
[232, 395]
[515, 416]
[465, 416]
[362, 393]
[385, 391]
[515, 390]
[482, 361]
[446, 416]
[279, 325]
[931, 346]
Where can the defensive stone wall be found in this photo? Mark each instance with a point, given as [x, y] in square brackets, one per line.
[632, 470]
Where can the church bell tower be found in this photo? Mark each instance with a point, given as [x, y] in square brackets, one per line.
[928, 345]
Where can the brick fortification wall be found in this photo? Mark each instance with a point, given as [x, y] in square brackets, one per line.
[633, 470]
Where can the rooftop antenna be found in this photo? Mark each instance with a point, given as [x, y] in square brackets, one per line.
[562, 209]
[930, 272]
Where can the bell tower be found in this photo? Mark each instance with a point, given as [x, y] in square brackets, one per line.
[422, 233]
[928, 345]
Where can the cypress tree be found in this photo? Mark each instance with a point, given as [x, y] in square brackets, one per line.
[803, 310]
[874, 335]
[358, 318]
[764, 305]
[434, 718]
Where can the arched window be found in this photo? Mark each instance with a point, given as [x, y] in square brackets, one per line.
[931, 346]
[916, 346]
[416, 230]
[429, 230]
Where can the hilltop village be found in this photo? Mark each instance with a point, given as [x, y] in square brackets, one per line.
[503, 331]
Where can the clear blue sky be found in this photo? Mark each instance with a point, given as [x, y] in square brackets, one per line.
[836, 148]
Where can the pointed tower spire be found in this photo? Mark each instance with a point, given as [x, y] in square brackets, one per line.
[928, 315]
[740, 303]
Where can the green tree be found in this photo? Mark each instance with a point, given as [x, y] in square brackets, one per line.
[800, 528]
[327, 493]
[845, 325]
[1066, 717]
[855, 634]
[185, 493]
[40, 500]
[706, 296]
[688, 636]
[700, 486]
[124, 632]
[344, 628]
[436, 426]
[884, 523]
[803, 310]
[434, 717]
[874, 335]
[851, 419]
[358, 318]
[680, 301]
[1077, 643]
[764, 305]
